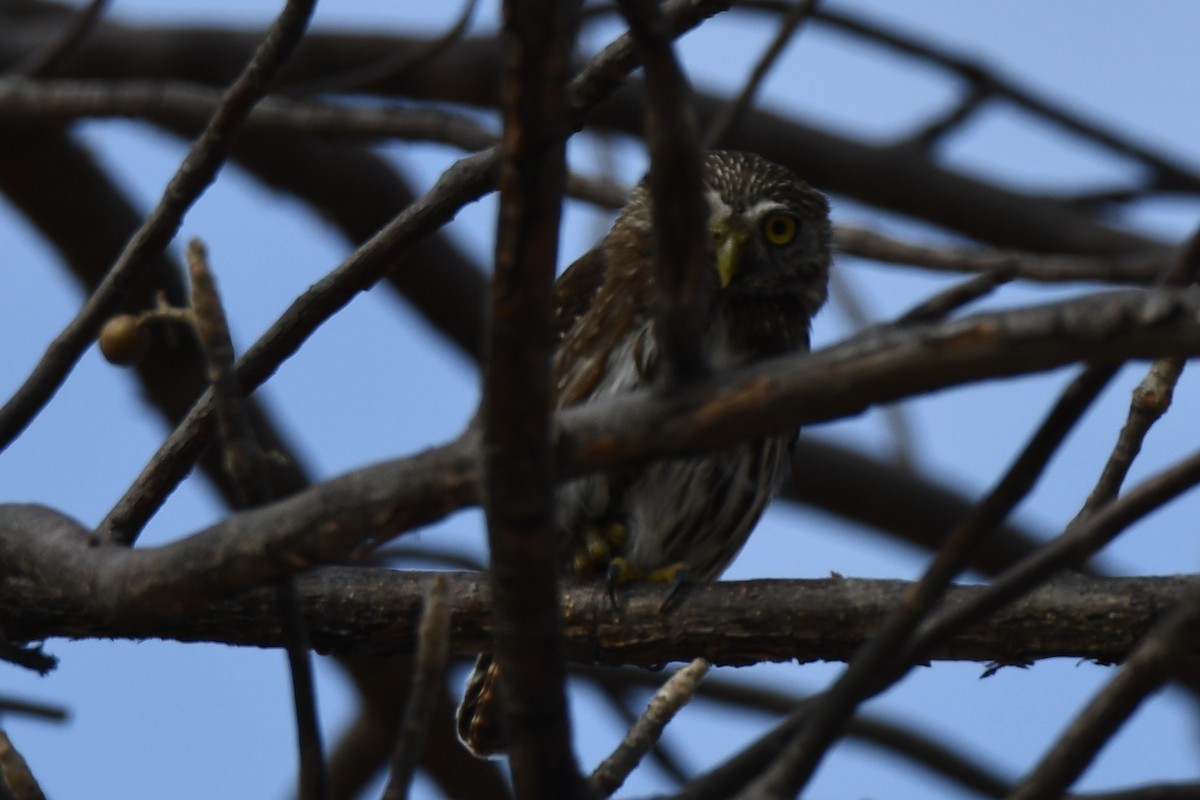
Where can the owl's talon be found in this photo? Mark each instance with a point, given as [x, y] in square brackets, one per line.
[677, 574]
[620, 572]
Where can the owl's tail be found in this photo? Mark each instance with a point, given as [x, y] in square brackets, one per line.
[480, 719]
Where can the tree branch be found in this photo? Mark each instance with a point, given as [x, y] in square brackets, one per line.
[377, 612]
[515, 416]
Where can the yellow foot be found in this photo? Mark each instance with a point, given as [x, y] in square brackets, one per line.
[621, 572]
[671, 573]
[599, 543]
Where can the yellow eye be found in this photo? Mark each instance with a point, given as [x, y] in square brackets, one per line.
[779, 229]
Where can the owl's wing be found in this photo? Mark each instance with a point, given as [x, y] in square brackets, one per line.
[575, 289]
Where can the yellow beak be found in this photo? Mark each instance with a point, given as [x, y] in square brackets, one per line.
[727, 247]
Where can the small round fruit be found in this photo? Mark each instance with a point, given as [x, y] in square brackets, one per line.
[123, 341]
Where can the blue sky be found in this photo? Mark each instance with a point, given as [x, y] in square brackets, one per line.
[157, 719]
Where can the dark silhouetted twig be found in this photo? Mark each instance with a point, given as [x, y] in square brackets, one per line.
[433, 644]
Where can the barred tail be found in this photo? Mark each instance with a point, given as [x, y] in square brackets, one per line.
[480, 718]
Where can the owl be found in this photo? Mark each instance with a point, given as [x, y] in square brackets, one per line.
[687, 517]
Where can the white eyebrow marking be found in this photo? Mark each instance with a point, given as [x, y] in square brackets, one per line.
[763, 206]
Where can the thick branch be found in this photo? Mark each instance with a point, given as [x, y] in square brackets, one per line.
[377, 611]
[880, 366]
[517, 456]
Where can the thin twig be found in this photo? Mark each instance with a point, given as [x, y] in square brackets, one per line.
[1150, 400]
[186, 106]
[433, 646]
[901, 739]
[847, 297]
[243, 458]
[617, 695]
[641, 738]
[934, 131]
[1151, 397]
[1141, 270]
[182, 105]
[945, 302]
[197, 171]
[915, 508]
[246, 465]
[393, 66]
[10, 705]
[724, 125]
[314, 775]
[47, 60]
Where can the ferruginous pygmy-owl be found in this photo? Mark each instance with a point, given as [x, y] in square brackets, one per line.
[770, 257]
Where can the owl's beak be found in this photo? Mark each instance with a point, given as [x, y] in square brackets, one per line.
[728, 245]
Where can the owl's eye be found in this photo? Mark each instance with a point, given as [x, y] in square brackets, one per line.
[779, 228]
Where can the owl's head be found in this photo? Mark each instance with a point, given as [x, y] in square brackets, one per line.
[770, 230]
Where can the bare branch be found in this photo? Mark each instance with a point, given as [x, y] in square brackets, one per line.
[377, 503]
[641, 738]
[723, 126]
[397, 64]
[196, 172]
[945, 302]
[44, 62]
[189, 106]
[515, 416]
[899, 178]
[246, 464]
[1150, 400]
[875, 367]
[433, 644]
[1142, 269]
[377, 612]
[10, 705]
